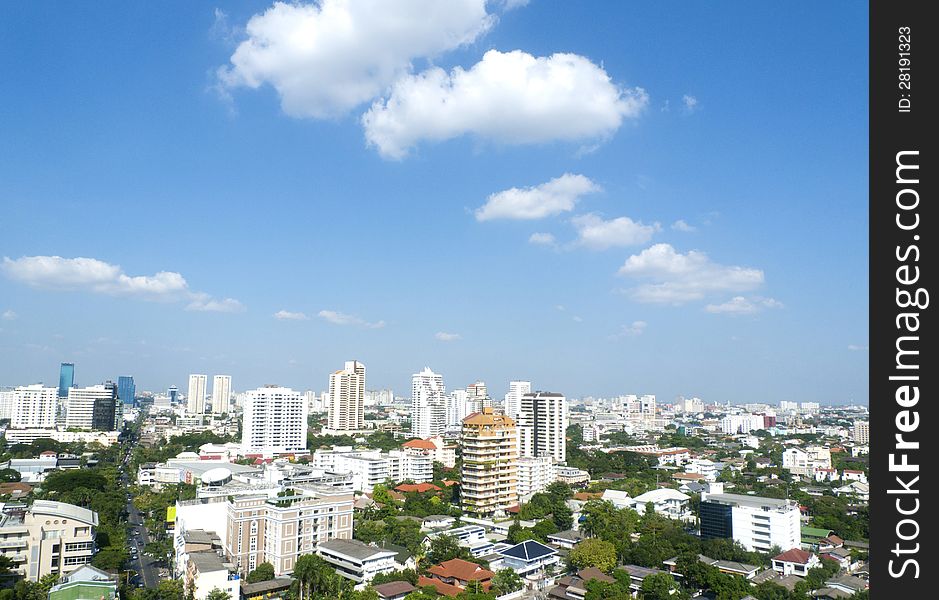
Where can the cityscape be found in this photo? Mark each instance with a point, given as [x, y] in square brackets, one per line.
[449, 299]
[210, 492]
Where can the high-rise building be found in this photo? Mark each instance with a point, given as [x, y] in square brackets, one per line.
[221, 393]
[478, 396]
[66, 378]
[490, 463]
[173, 394]
[196, 395]
[534, 475]
[34, 406]
[126, 390]
[513, 400]
[346, 409]
[756, 523]
[458, 407]
[428, 404]
[93, 408]
[542, 425]
[7, 401]
[862, 432]
[274, 422]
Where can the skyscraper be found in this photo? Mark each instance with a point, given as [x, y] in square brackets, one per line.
[346, 410]
[542, 425]
[513, 400]
[490, 463]
[93, 407]
[34, 406]
[126, 389]
[221, 393]
[428, 404]
[274, 421]
[66, 378]
[478, 396]
[196, 396]
[173, 394]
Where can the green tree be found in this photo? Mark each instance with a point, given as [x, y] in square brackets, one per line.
[9, 475]
[593, 553]
[506, 581]
[660, 586]
[444, 548]
[218, 594]
[263, 572]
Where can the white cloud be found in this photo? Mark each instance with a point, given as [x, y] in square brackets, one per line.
[681, 225]
[577, 319]
[9, 315]
[447, 337]
[227, 305]
[634, 329]
[507, 97]
[513, 4]
[690, 103]
[328, 57]
[97, 276]
[286, 315]
[595, 233]
[676, 278]
[856, 348]
[343, 319]
[740, 305]
[536, 202]
[541, 239]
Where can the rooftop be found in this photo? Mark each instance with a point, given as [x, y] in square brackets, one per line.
[353, 548]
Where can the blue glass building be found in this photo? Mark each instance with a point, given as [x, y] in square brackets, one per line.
[66, 379]
[126, 389]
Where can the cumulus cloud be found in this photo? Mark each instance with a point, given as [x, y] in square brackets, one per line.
[689, 103]
[339, 318]
[595, 233]
[634, 329]
[740, 305]
[328, 57]
[536, 202]
[677, 278]
[447, 337]
[541, 239]
[9, 315]
[681, 225]
[507, 97]
[97, 276]
[286, 315]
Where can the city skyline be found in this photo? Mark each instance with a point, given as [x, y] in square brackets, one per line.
[705, 234]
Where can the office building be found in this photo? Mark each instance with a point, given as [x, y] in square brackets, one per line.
[221, 393]
[274, 422]
[346, 409]
[48, 538]
[490, 463]
[428, 404]
[66, 378]
[756, 523]
[196, 395]
[34, 406]
[93, 408]
[513, 399]
[862, 432]
[173, 394]
[542, 425]
[126, 390]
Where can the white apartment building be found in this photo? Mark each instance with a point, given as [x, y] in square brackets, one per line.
[513, 399]
[809, 406]
[691, 405]
[436, 447]
[196, 396]
[806, 461]
[92, 407]
[7, 401]
[458, 407]
[756, 523]
[49, 538]
[785, 405]
[572, 475]
[369, 468]
[542, 425]
[221, 393]
[28, 436]
[478, 396]
[274, 422]
[357, 561]
[745, 423]
[346, 408]
[862, 432]
[34, 406]
[534, 475]
[428, 404]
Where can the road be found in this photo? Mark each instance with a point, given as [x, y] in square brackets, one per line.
[138, 538]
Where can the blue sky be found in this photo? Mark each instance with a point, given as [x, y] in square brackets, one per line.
[491, 190]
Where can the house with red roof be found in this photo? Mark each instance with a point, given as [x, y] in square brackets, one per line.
[795, 562]
[454, 575]
[420, 488]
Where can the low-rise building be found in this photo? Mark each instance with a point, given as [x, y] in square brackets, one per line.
[85, 583]
[795, 561]
[48, 538]
[206, 571]
[355, 560]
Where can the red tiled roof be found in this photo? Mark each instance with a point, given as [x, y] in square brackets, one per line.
[442, 588]
[688, 476]
[583, 496]
[449, 482]
[422, 444]
[394, 588]
[463, 570]
[514, 509]
[417, 487]
[795, 555]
